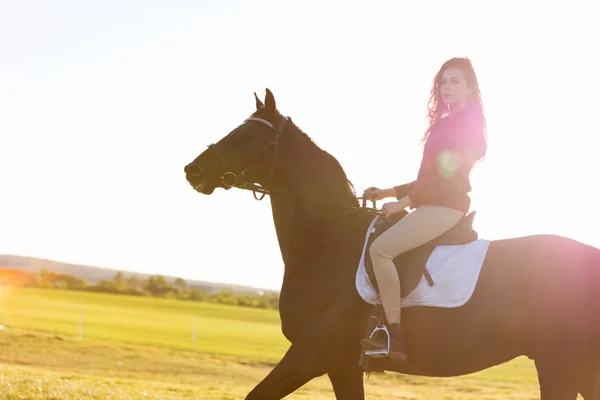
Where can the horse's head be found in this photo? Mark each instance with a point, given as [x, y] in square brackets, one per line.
[245, 155]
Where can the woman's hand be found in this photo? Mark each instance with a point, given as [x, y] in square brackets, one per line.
[391, 208]
[374, 194]
[394, 207]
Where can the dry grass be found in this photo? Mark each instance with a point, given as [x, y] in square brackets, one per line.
[125, 358]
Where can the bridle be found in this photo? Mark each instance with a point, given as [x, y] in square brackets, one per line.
[230, 179]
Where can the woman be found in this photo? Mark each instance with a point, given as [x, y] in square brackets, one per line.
[454, 142]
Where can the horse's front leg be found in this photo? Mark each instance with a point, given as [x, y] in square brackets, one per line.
[300, 364]
[348, 382]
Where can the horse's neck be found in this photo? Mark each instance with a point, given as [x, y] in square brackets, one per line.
[293, 227]
[282, 209]
[304, 218]
[304, 228]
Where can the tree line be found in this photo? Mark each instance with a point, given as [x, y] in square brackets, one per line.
[154, 286]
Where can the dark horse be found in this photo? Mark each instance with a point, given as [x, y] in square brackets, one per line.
[537, 296]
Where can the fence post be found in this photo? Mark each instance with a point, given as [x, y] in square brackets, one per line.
[194, 335]
[80, 322]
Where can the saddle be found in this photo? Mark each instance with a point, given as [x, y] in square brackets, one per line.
[411, 265]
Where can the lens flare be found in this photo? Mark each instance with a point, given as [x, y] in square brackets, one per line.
[9, 281]
[448, 163]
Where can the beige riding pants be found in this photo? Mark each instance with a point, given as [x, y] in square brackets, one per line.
[417, 228]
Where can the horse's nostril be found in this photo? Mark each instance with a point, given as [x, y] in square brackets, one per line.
[192, 169]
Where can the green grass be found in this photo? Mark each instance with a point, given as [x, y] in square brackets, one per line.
[141, 348]
[220, 329]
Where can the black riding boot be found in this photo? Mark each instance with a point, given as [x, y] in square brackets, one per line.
[397, 343]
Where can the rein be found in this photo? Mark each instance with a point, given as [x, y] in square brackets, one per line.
[264, 191]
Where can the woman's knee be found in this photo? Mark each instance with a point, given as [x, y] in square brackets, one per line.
[379, 249]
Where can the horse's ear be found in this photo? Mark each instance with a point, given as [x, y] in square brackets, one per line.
[259, 103]
[270, 101]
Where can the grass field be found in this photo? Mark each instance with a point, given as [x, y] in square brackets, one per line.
[144, 348]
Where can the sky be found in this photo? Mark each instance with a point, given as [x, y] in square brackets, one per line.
[103, 104]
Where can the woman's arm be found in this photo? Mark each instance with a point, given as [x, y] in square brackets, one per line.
[402, 191]
[398, 192]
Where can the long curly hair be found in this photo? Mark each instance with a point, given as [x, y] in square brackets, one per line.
[436, 107]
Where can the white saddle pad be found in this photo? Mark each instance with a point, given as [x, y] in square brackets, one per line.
[454, 269]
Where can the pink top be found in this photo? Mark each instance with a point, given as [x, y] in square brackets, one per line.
[449, 155]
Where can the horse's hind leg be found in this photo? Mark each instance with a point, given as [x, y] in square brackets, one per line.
[299, 365]
[557, 380]
[590, 387]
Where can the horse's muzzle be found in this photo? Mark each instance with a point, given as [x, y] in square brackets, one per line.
[195, 176]
[204, 188]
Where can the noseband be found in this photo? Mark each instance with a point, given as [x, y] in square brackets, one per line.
[230, 178]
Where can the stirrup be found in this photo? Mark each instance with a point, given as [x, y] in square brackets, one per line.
[379, 353]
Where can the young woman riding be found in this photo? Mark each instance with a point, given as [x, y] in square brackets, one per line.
[454, 141]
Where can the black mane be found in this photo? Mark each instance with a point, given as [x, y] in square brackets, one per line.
[338, 187]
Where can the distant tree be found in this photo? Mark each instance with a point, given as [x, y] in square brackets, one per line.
[135, 283]
[120, 281]
[180, 284]
[45, 278]
[74, 283]
[155, 285]
[272, 300]
[226, 297]
[197, 294]
[104, 287]
[34, 279]
[158, 286]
